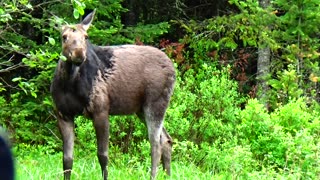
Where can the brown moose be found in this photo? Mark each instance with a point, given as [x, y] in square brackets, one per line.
[99, 81]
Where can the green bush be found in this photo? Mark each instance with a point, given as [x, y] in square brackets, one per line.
[204, 106]
[285, 139]
[301, 126]
[229, 157]
[127, 132]
[264, 137]
[293, 116]
[302, 155]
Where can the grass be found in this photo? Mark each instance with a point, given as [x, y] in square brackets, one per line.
[37, 164]
[45, 167]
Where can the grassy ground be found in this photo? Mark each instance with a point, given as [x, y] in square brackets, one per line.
[87, 167]
[38, 165]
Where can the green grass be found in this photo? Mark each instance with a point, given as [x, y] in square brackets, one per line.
[37, 164]
[45, 167]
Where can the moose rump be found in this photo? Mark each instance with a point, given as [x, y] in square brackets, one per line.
[111, 80]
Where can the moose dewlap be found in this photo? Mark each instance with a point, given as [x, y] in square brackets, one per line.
[99, 81]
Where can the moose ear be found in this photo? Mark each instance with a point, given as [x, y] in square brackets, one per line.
[87, 20]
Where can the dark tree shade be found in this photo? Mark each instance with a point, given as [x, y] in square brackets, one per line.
[166, 10]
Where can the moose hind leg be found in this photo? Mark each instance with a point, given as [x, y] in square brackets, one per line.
[101, 125]
[166, 150]
[154, 119]
[154, 138]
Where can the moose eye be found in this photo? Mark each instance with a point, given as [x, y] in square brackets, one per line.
[64, 38]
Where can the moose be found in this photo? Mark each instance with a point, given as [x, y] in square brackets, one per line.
[98, 81]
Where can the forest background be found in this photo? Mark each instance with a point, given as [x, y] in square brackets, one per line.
[246, 101]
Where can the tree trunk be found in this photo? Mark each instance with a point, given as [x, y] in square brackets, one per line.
[263, 65]
[262, 72]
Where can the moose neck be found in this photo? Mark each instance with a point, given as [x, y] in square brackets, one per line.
[97, 58]
[72, 71]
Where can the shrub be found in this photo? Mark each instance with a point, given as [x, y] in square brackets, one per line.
[264, 137]
[204, 106]
[302, 156]
[293, 116]
[285, 140]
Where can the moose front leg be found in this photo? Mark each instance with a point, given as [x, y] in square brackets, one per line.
[101, 125]
[66, 128]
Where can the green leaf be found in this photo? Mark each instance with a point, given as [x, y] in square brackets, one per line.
[63, 58]
[52, 41]
[76, 13]
[17, 79]
[81, 10]
[33, 94]
[231, 44]
[29, 6]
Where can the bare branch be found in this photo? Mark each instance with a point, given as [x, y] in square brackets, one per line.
[47, 2]
[10, 68]
[8, 85]
[53, 133]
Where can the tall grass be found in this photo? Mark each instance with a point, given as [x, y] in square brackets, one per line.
[49, 167]
[36, 164]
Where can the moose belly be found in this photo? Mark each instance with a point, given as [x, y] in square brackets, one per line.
[115, 100]
[125, 104]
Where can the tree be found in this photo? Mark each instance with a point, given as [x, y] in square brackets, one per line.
[263, 63]
[296, 32]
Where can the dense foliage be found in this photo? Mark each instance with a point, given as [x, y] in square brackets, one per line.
[215, 118]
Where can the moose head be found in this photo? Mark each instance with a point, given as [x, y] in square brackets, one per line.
[74, 40]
